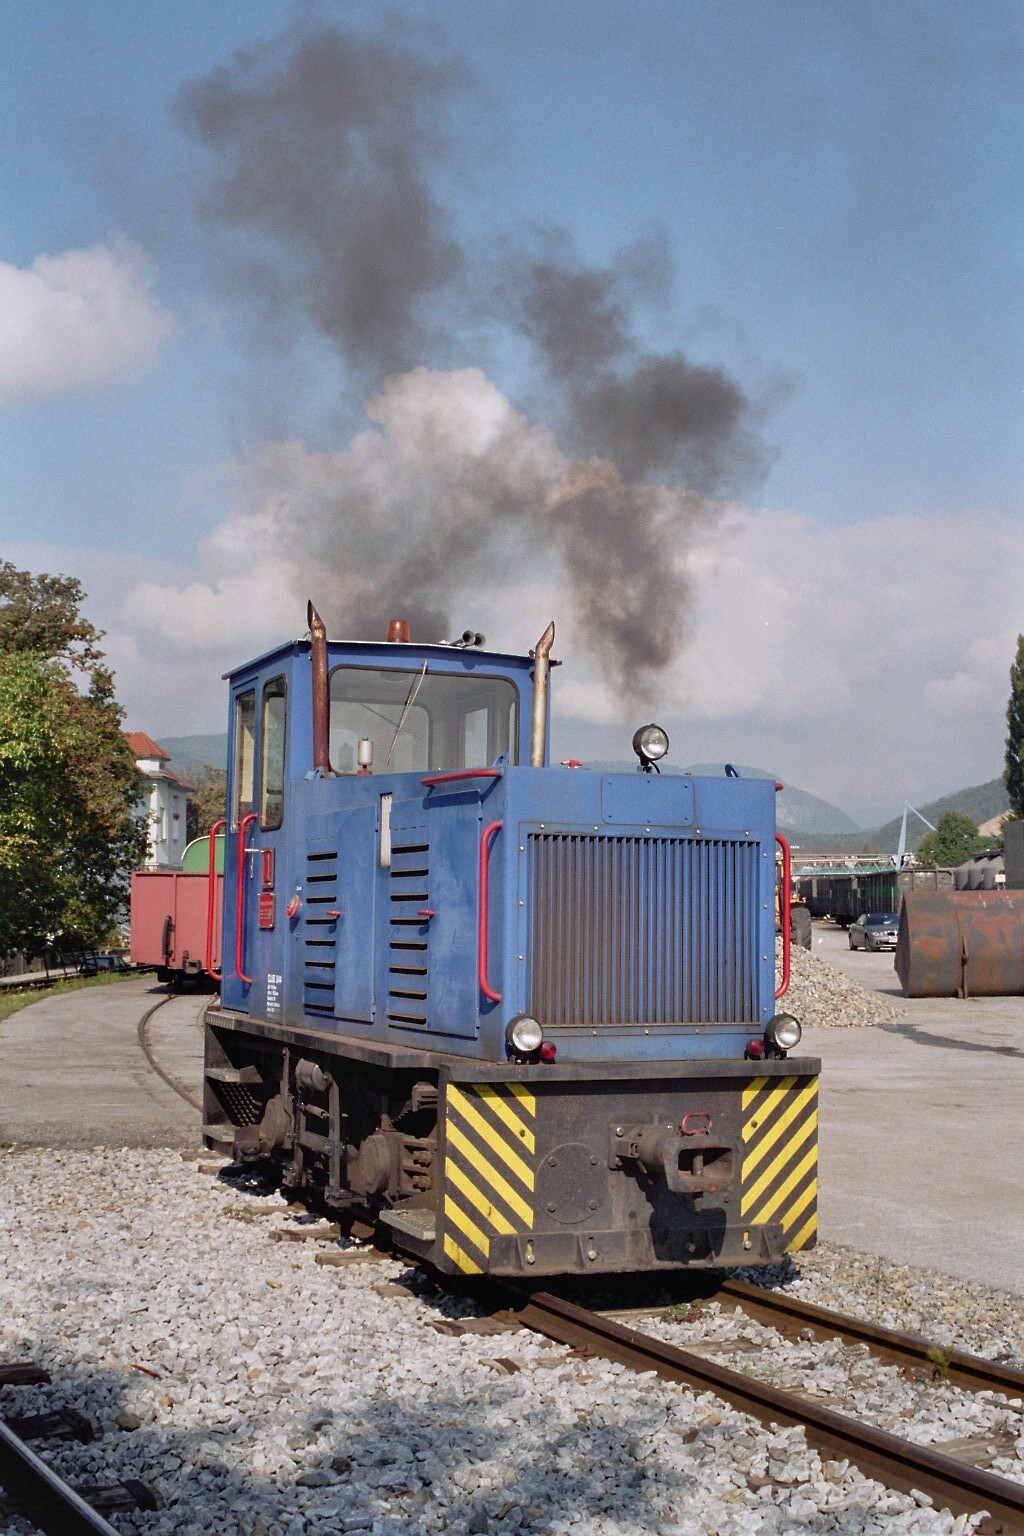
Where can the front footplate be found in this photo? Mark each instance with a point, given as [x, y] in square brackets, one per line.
[544, 1174]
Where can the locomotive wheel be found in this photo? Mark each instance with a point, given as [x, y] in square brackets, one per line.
[800, 927]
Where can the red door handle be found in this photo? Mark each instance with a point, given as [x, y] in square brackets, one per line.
[211, 896]
[243, 827]
[785, 916]
[485, 844]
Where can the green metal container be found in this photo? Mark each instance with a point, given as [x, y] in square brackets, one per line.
[196, 858]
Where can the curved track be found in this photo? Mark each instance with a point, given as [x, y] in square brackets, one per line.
[150, 1055]
[897, 1463]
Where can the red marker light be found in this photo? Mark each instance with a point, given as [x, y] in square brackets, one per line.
[548, 1051]
[292, 909]
[755, 1050]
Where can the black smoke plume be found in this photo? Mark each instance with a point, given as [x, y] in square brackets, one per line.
[324, 151]
[323, 146]
[654, 414]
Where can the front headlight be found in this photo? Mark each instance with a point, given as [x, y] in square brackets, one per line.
[650, 743]
[783, 1032]
[524, 1035]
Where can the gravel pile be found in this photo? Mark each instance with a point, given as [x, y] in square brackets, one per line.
[263, 1395]
[820, 995]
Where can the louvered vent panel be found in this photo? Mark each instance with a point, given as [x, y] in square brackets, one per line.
[642, 929]
[319, 932]
[408, 933]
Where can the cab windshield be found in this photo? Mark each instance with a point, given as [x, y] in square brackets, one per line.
[421, 721]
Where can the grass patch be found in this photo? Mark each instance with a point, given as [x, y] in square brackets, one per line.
[940, 1360]
[684, 1312]
[11, 1002]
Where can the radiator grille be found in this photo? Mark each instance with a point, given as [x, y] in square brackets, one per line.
[408, 893]
[642, 929]
[319, 933]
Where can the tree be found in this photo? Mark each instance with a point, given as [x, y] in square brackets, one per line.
[208, 803]
[1014, 774]
[954, 840]
[68, 783]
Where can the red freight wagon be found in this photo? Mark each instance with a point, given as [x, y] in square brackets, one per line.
[169, 916]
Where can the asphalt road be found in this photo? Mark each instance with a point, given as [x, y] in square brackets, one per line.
[73, 1074]
[922, 1152]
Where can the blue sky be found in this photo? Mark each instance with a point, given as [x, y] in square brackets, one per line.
[831, 197]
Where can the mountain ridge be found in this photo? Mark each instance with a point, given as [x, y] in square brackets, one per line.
[799, 813]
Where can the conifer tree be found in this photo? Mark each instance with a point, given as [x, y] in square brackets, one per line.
[1014, 773]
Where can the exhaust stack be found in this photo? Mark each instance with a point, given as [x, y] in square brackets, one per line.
[321, 695]
[541, 675]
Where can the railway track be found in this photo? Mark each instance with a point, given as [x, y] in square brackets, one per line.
[36, 1492]
[29, 1488]
[949, 1481]
[900, 1464]
[161, 1071]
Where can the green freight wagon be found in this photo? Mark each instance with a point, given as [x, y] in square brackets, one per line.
[844, 895]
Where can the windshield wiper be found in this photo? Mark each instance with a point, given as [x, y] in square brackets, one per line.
[410, 701]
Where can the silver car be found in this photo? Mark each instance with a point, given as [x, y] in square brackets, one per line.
[874, 930]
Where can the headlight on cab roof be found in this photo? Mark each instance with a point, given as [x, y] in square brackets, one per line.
[783, 1032]
[650, 743]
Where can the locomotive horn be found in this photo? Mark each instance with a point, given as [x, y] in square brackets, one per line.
[321, 695]
[541, 672]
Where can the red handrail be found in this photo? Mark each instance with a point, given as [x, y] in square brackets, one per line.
[211, 902]
[243, 826]
[463, 773]
[485, 843]
[786, 914]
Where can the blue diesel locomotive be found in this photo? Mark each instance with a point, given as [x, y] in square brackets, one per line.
[523, 1015]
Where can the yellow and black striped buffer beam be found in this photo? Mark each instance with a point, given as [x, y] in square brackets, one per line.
[489, 1168]
[780, 1157]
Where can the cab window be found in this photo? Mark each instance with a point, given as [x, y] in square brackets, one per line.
[421, 721]
[244, 767]
[272, 749]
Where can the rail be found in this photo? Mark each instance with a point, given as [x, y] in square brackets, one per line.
[896, 1463]
[41, 1495]
[946, 1481]
[792, 1317]
[161, 1071]
[211, 895]
[785, 916]
[462, 773]
[243, 826]
[484, 913]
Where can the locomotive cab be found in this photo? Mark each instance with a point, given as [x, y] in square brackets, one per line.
[524, 1015]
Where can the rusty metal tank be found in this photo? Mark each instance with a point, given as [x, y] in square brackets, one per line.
[961, 944]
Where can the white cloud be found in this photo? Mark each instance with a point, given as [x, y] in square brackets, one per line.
[865, 663]
[74, 321]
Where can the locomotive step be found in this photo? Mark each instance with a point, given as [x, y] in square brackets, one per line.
[223, 1135]
[417, 1222]
[233, 1075]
